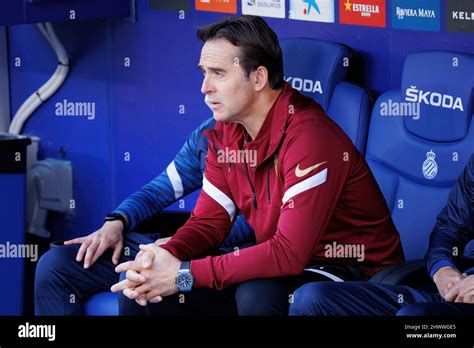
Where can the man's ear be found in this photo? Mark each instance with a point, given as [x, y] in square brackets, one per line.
[260, 78]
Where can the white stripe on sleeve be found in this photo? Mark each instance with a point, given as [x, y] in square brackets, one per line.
[175, 179]
[312, 181]
[220, 197]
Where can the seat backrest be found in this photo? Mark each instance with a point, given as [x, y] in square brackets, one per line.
[420, 139]
[315, 67]
[350, 108]
[318, 69]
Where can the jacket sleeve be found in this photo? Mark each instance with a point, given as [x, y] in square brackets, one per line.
[307, 206]
[211, 219]
[182, 176]
[455, 223]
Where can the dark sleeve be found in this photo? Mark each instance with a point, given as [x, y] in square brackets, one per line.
[454, 224]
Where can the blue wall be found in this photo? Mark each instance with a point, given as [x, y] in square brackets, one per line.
[12, 215]
[138, 107]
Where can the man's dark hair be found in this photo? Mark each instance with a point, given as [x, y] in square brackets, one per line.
[257, 42]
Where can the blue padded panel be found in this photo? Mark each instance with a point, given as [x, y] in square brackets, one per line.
[350, 108]
[391, 145]
[309, 62]
[448, 77]
[417, 216]
[414, 208]
[103, 303]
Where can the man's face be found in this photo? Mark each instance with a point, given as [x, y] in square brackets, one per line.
[229, 91]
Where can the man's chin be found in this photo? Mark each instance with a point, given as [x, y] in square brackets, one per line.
[219, 117]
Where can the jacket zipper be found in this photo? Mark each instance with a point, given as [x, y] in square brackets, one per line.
[268, 180]
[254, 197]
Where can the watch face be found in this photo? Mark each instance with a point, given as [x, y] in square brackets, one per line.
[184, 281]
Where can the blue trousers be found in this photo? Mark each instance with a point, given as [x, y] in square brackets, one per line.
[62, 284]
[364, 298]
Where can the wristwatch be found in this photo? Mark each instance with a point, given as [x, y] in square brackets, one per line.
[120, 217]
[185, 279]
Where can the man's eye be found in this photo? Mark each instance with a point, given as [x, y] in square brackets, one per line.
[219, 74]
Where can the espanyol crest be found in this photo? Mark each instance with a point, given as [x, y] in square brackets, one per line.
[430, 167]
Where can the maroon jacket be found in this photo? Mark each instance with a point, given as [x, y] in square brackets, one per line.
[310, 190]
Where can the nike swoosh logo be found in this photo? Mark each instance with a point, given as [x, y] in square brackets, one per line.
[302, 172]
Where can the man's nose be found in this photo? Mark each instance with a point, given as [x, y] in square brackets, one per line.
[206, 85]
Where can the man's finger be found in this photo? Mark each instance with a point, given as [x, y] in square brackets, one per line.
[120, 286]
[470, 297]
[134, 276]
[83, 249]
[139, 254]
[149, 247]
[451, 294]
[75, 241]
[142, 289]
[125, 266]
[462, 294]
[90, 253]
[147, 259]
[117, 252]
[131, 294]
[98, 253]
[141, 300]
[154, 296]
[153, 293]
[156, 299]
[467, 297]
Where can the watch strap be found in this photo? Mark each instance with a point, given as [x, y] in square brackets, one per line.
[185, 266]
[120, 217]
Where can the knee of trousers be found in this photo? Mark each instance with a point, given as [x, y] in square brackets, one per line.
[256, 298]
[310, 298]
[56, 264]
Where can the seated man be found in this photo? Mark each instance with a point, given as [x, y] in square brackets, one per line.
[61, 282]
[292, 172]
[453, 276]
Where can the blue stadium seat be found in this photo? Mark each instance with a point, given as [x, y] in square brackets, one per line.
[318, 69]
[103, 303]
[417, 159]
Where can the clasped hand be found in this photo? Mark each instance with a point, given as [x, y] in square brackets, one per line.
[150, 276]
